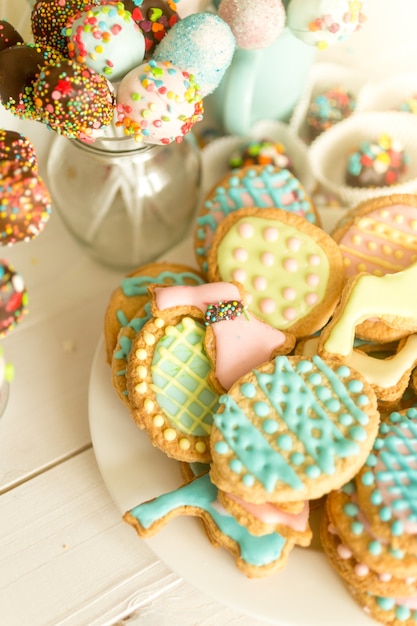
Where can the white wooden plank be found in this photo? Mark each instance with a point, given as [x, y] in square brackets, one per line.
[67, 559]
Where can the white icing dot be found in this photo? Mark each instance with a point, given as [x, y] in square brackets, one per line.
[141, 388]
[141, 354]
[384, 577]
[158, 421]
[249, 298]
[245, 230]
[240, 254]
[148, 338]
[260, 283]
[170, 434]
[239, 275]
[290, 313]
[267, 305]
[289, 293]
[268, 259]
[270, 233]
[361, 569]
[313, 280]
[311, 299]
[184, 444]
[343, 551]
[314, 259]
[291, 265]
[200, 447]
[293, 244]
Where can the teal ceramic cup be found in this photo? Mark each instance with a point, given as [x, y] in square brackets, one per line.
[264, 84]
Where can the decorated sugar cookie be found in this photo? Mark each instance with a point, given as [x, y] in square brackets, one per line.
[386, 367]
[169, 392]
[379, 236]
[389, 298]
[386, 484]
[292, 429]
[355, 531]
[255, 556]
[262, 186]
[262, 519]
[356, 574]
[235, 340]
[128, 310]
[291, 270]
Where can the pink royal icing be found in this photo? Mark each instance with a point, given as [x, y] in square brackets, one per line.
[240, 345]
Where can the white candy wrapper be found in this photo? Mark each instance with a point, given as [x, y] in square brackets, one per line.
[390, 94]
[330, 151]
[216, 155]
[323, 76]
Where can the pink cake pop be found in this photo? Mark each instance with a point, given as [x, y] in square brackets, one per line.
[158, 103]
[254, 24]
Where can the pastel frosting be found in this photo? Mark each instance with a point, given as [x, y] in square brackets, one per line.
[251, 252]
[107, 39]
[325, 22]
[254, 24]
[158, 103]
[201, 43]
[381, 241]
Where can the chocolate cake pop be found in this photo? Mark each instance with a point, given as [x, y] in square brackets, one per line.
[19, 67]
[73, 100]
[13, 298]
[154, 18]
[49, 19]
[25, 203]
[8, 35]
[16, 147]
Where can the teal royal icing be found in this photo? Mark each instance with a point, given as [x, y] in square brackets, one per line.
[138, 285]
[266, 189]
[202, 494]
[397, 451]
[291, 401]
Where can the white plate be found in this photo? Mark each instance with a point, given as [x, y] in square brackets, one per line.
[306, 593]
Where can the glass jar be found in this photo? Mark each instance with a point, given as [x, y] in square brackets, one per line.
[126, 203]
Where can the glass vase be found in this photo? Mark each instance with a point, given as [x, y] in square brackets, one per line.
[126, 203]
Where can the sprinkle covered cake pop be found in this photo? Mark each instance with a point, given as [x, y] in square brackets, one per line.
[73, 100]
[158, 103]
[19, 67]
[328, 108]
[13, 298]
[107, 39]
[8, 35]
[324, 22]
[25, 203]
[253, 24]
[49, 19]
[154, 18]
[262, 152]
[201, 44]
[16, 147]
[379, 163]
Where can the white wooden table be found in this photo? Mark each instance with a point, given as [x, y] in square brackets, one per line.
[66, 558]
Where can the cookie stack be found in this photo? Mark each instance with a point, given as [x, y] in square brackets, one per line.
[369, 527]
[266, 372]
